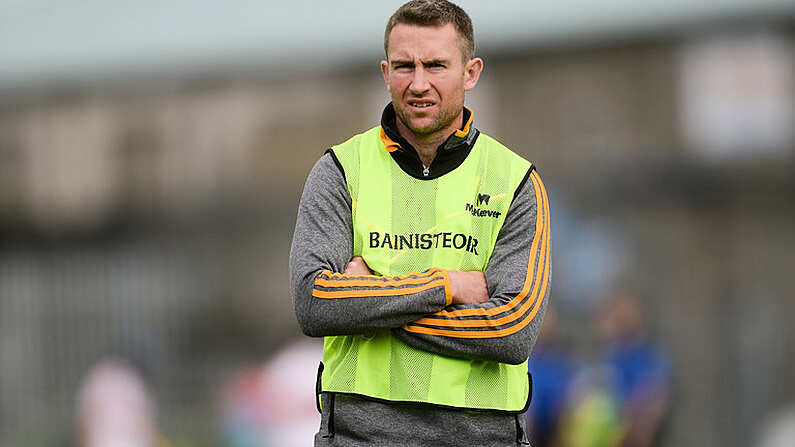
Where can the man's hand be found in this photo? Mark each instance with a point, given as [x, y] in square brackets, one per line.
[357, 266]
[468, 287]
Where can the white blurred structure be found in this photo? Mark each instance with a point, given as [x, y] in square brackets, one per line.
[738, 95]
[779, 431]
[274, 405]
[114, 408]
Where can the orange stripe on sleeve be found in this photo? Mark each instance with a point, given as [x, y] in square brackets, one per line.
[330, 274]
[542, 225]
[379, 292]
[537, 298]
[513, 316]
[378, 281]
[488, 334]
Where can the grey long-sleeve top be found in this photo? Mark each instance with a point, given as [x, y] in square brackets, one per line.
[517, 276]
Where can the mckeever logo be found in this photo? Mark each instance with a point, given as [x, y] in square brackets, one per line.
[483, 199]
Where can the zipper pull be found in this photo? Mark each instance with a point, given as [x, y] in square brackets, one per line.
[426, 171]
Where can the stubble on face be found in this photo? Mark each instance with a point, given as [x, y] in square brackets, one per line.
[444, 117]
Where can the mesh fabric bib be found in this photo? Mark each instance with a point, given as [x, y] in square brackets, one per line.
[401, 225]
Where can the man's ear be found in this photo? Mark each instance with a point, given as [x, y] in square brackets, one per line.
[385, 72]
[472, 71]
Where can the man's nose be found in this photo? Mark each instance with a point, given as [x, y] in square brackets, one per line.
[419, 82]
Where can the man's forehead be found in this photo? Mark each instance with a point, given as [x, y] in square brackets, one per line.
[427, 42]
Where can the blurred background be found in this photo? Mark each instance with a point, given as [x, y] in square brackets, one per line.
[152, 156]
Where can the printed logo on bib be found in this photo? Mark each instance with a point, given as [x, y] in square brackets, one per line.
[479, 210]
[424, 241]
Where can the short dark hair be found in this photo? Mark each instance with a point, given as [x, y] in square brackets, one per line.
[435, 13]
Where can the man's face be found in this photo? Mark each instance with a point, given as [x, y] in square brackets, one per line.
[427, 78]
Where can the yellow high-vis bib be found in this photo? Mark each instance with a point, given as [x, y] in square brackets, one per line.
[401, 225]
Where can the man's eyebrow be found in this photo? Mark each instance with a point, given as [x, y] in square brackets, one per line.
[396, 62]
[435, 62]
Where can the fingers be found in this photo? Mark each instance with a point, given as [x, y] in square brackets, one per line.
[357, 266]
[468, 287]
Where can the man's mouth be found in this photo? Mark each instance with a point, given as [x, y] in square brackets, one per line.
[420, 105]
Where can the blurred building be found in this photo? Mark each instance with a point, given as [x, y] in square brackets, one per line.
[152, 158]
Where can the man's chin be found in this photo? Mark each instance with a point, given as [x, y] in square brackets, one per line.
[423, 131]
[420, 125]
[423, 127]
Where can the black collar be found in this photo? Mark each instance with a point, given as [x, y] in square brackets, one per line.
[449, 155]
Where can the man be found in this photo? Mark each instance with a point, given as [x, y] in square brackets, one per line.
[640, 370]
[421, 254]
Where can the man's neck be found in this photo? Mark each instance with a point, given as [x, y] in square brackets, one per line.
[427, 145]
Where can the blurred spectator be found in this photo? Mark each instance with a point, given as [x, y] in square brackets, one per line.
[552, 370]
[115, 408]
[273, 405]
[591, 417]
[640, 371]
